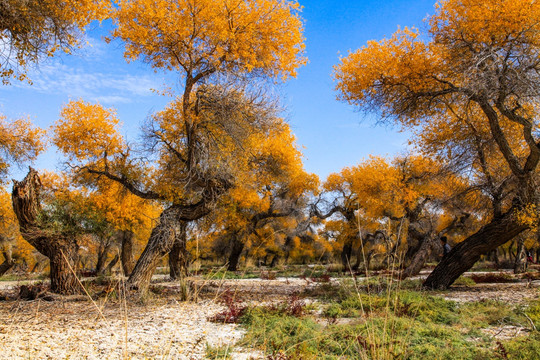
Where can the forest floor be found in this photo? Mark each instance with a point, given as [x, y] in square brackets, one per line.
[162, 327]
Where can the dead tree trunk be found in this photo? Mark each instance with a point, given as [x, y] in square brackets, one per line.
[465, 254]
[61, 249]
[178, 255]
[8, 262]
[126, 252]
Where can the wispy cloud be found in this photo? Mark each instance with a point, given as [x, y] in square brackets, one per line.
[58, 78]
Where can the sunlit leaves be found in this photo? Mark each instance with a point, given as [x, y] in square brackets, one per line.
[20, 142]
[87, 131]
[202, 36]
[32, 29]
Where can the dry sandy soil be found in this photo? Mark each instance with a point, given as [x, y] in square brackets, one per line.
[77, 328]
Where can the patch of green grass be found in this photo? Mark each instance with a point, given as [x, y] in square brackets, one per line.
[218, 353]
[464, 281]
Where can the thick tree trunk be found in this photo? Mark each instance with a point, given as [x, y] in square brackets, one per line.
[8, 262]
[465, 254]
[63, 263]
[346, 254]
[178, 255]
[126, 252]
[162, 240]
[520, 262]
[237, 246]
[103, 253]
[59, 248]
[419, 259]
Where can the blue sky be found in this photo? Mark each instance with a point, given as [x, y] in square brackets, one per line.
[332, 133]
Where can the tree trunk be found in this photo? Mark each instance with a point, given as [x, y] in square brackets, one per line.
[63, 263]
[237, 246]
[61, 249]
[162, 240]
[103, 252]
[520, 262]
[126, 252]
[178, 255]
[465, 254]
[419, 259]
[346, 254]
[8, 262]
[113, 262]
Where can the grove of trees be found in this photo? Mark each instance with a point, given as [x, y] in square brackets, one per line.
[217, 174]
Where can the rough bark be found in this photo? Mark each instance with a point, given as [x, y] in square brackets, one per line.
[126, 252]
[465, 254]
[419, 259]
[103, 252]
[178, 255]
[520, 262]
[237, 246]
[346, 254]
[61, 249]
[7, 264]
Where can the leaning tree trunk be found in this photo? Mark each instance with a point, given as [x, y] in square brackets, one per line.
[61, 250]
[162, 240]
[126, 252]
[8, 262]
[419, 259]
[178, 255]
[465, 254]
[237, 246]
[112, 263]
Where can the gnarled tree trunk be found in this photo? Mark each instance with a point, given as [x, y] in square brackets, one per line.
[162, 240]
[8, 262]
[465, 254]
[178, 255]
[419, 259]
[126, 252]
[61, 250]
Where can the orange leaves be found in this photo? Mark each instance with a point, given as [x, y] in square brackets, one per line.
[87, 132]
[20, 142]
[214, 35]
[32, 29]
[492, 22]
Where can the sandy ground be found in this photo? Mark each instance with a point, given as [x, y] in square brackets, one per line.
[166, 328]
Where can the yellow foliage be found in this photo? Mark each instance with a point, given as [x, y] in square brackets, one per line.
[213, 35]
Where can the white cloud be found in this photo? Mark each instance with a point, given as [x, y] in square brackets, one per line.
[58, 78]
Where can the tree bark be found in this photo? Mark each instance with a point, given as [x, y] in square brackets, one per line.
[8, 262]
[465, 254]
[346, 254]
[126, 252]
[419, 259]
[178, 255]
[520, 262]
[103, 252]
[237, 246]
[162, 240]
[61, 249]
